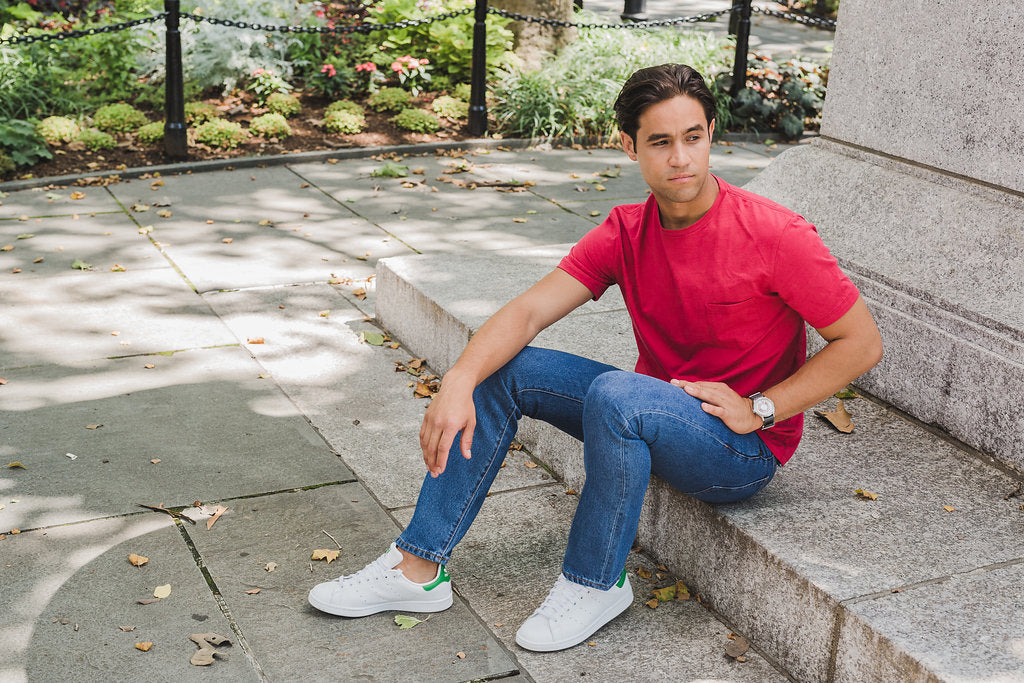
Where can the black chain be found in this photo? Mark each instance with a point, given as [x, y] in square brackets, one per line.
[409, 23]
[65, 35]
[358, 28]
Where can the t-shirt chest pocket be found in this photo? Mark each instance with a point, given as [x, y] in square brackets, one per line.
[735, 325]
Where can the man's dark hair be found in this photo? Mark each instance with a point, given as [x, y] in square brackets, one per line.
[656, 84]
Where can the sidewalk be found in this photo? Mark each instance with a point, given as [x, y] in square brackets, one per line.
[223, 365]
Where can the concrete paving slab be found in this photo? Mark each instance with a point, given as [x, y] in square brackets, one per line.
[505, 573]
[348, 390]
[68, 591]
[488, 233]
[963, 628]
[290, 639]
[68, 318]
[104, 241]
[215, 427]
[39, 202]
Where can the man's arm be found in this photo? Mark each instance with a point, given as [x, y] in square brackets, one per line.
[504, 335]
[854, 347]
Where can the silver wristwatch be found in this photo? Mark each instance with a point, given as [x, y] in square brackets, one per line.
[764, 408]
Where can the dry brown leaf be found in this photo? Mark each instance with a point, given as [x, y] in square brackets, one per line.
[126, 629]
[216, 515]
[2, 381]
[7, 247]
[948, 508]
[253, 591]
[324, 314]
[270, 566]
[325, 554]
[149, 366]
[864, 493]
[652, 603]
[530, 464]
[161, 592]
[424, 390]
[226, 240]
[737, 647]
[255, 340]
[155, 461]
[137, 560]
[460, 655]
[359, 293]
[78, 195]
[143, 646]
[838, 418]
[16, 466]
[147, 601]
[93, 426]
[643, 573]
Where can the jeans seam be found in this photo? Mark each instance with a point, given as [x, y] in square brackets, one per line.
[756, 456]
[420, 552]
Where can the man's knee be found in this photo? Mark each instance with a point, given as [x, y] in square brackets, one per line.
[616, 389]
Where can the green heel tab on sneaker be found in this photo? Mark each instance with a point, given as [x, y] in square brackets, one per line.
[442, 577]
[622, 579]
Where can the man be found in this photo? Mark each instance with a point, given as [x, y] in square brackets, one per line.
[718, 283]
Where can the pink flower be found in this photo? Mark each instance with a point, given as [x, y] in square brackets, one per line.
[329, 70]
[368, 66]
[259, 71]
[397, 67]
[320, 14]
[424, 61]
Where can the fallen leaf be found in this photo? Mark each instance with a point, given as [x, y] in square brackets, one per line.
[15, 531]
[127, 629]
[206, 642]
[149, 366]
[324, 314]
[666, 594]
[38, 260]
[146, 229]
[846, 393]
[26, 236]
[80, 265]
[682, 592]
[948, 508]
[227, 240]
[595, 213]
[16, 465]
[164, 213]
[2, 381]
[591, 643]
[652, 603]
[93, 426]
[15, 271]
[1012, 494]
[117, 269]
[253, 591]
[570, 492]
[71, 455]
[265, 222]
[147, 601]
[155, 461]
[737, 647]
[155, 184]
[359, 293]
[600, 188]
[162, 592]
[78, 195]
[519, 220]
[404, 621]
[424, 390]
[324, 554]
[139, 208]
[864, 493]
[839, 418]
[612, 173]
[530, 464]
[216, 515]
[643, 573]
[372, 338]
[137, 560]
[270, 566]
[255, 340]
[143, 646]
[460, 655]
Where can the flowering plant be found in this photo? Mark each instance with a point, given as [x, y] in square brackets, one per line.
[265, 82]
[374, 78]
[411, 71]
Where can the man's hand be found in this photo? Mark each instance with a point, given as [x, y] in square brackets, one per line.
[450, 412]
[719, 400]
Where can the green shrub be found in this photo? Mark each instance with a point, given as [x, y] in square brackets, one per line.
[6, 164]
[200, 112]
[151, 133]
[450, 107]
[463, 91]
[270, 126]
[389, 99]
[20, 142]
[783, 98]
[345, 122]
[57, 129]
[96, 140]
[344, 105]
[119, 117]
[221, 133]
[416, 120]
[284, 104]
[571, 94]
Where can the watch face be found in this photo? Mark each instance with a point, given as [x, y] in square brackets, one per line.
[764, 407]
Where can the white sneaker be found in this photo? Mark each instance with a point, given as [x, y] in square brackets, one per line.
[379, 587]
[571, 613]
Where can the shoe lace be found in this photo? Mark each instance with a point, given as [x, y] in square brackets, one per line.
[371, 572]
[563, 595]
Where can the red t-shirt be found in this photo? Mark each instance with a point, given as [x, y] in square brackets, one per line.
[723, 300]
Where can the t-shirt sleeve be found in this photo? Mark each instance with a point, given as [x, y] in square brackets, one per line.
[808, 278]
[592, 260]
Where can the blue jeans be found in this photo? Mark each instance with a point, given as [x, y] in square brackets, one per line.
[631, 425]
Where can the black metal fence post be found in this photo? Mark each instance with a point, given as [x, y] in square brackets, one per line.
[175, 140]
[634, 10]
[478, 79]
[740, 21]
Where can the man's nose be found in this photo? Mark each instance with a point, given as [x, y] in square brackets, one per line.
[679, 155]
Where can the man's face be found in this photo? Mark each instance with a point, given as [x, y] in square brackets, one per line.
[673, 148]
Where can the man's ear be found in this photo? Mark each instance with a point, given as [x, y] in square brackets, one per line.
[627, 145]
[711, 130]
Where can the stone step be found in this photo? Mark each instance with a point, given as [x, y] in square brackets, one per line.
[918, 584]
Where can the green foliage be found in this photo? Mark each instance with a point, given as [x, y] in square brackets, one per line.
[463, 91]
[200, 112]
[120, 117]
[571, 94]
[336, 78]
[450, 107]
[96, 140]
[416, 120]
[390, 169]
[784, 98]
[57, 129]
[389, 99]
[151, 133]
[33, 81]
[343, 105]
[447, 44]
[284, 104]
[20, 142]
[221, 133]
[345, 122]
[270, 126]
[6, 163]
[264, 83]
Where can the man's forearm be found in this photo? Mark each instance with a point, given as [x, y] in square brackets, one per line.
[504, 335]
